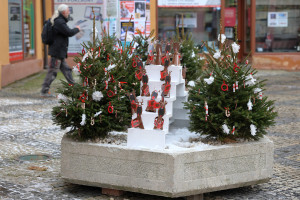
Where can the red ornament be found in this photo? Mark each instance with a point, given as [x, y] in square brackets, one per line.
[110, 108]
[131, 48]
[134, 64]
[83, 97]
[83, 51]
[224, 85]
[110, 93]
[107, 57]
[235, 66]
[99, 52]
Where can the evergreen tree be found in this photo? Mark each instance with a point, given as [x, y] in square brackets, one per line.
[227, 102]
[142, 43]
[190, 57]
[98, 103]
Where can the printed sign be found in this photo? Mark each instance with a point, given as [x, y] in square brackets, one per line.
[277, 19]
[81, 15]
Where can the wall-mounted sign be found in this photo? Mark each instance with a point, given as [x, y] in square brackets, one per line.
[230, 17]
[189, 3]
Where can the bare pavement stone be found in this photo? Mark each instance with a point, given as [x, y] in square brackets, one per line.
[26, 128]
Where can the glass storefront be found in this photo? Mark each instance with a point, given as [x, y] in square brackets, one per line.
[28, 26]
[15, 30]
[21, 29]
[201, 22]
[277, 26]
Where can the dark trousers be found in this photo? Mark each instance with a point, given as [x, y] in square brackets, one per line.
[55, 65]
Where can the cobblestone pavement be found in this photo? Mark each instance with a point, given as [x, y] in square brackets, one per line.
[26, 128]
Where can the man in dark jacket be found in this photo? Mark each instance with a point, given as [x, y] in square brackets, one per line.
[59, 48]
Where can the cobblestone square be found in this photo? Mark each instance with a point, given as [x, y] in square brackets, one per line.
[26, 128]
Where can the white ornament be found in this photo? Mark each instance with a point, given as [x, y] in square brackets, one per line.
[206, 108]
[221, 38]
[235, 47]
[225, 128]
[191, 83]
[250, 80]
[193, 54]
[110, 67]
[260, 95]
[97, 96]
[97, 113]
[253, 129]
[76, 70]
[236, 85]
[83, 118]
[250, 105]
[62, 97]
[217, 55]
[201, 58]
[257, 90]
[209, 80]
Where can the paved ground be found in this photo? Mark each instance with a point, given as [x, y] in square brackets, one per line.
[26, 128]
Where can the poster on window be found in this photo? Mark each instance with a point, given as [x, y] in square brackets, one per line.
[129, 27]
[277, 19]
[126, 10]
[81, 14]
[110, 25]
[140, 10]
[189, 20]
[111, 8]
[15, 30]
[139, 25]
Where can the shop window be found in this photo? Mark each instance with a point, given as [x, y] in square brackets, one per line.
[201, 23]
[28, 27]
[21, 29]
[278, 26]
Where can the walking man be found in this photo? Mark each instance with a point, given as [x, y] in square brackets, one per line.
[59, 48]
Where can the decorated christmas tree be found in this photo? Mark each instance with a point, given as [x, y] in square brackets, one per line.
[190, 57]
[227, 103]
[98, 103]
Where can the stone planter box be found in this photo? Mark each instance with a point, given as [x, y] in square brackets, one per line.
[167, 173]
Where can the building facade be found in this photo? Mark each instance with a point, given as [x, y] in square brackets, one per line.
[268, 30]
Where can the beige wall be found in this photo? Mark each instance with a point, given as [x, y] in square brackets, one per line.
[4, 43]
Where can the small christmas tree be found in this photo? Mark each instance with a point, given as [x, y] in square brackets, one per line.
[98, 103]
[227, 102]
[190, 57]
[142, 43]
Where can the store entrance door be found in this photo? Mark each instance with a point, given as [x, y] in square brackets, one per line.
[244, 27]
[238, 16]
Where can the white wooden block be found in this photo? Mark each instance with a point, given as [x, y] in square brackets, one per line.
[150, 139]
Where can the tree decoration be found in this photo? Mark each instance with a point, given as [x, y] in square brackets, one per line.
[235, 108]
[96, 103]
[97, 96]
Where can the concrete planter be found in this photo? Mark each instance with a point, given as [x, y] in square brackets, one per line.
[164, 173]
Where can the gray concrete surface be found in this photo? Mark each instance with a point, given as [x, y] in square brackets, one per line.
[187, 172]
[26, 128]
